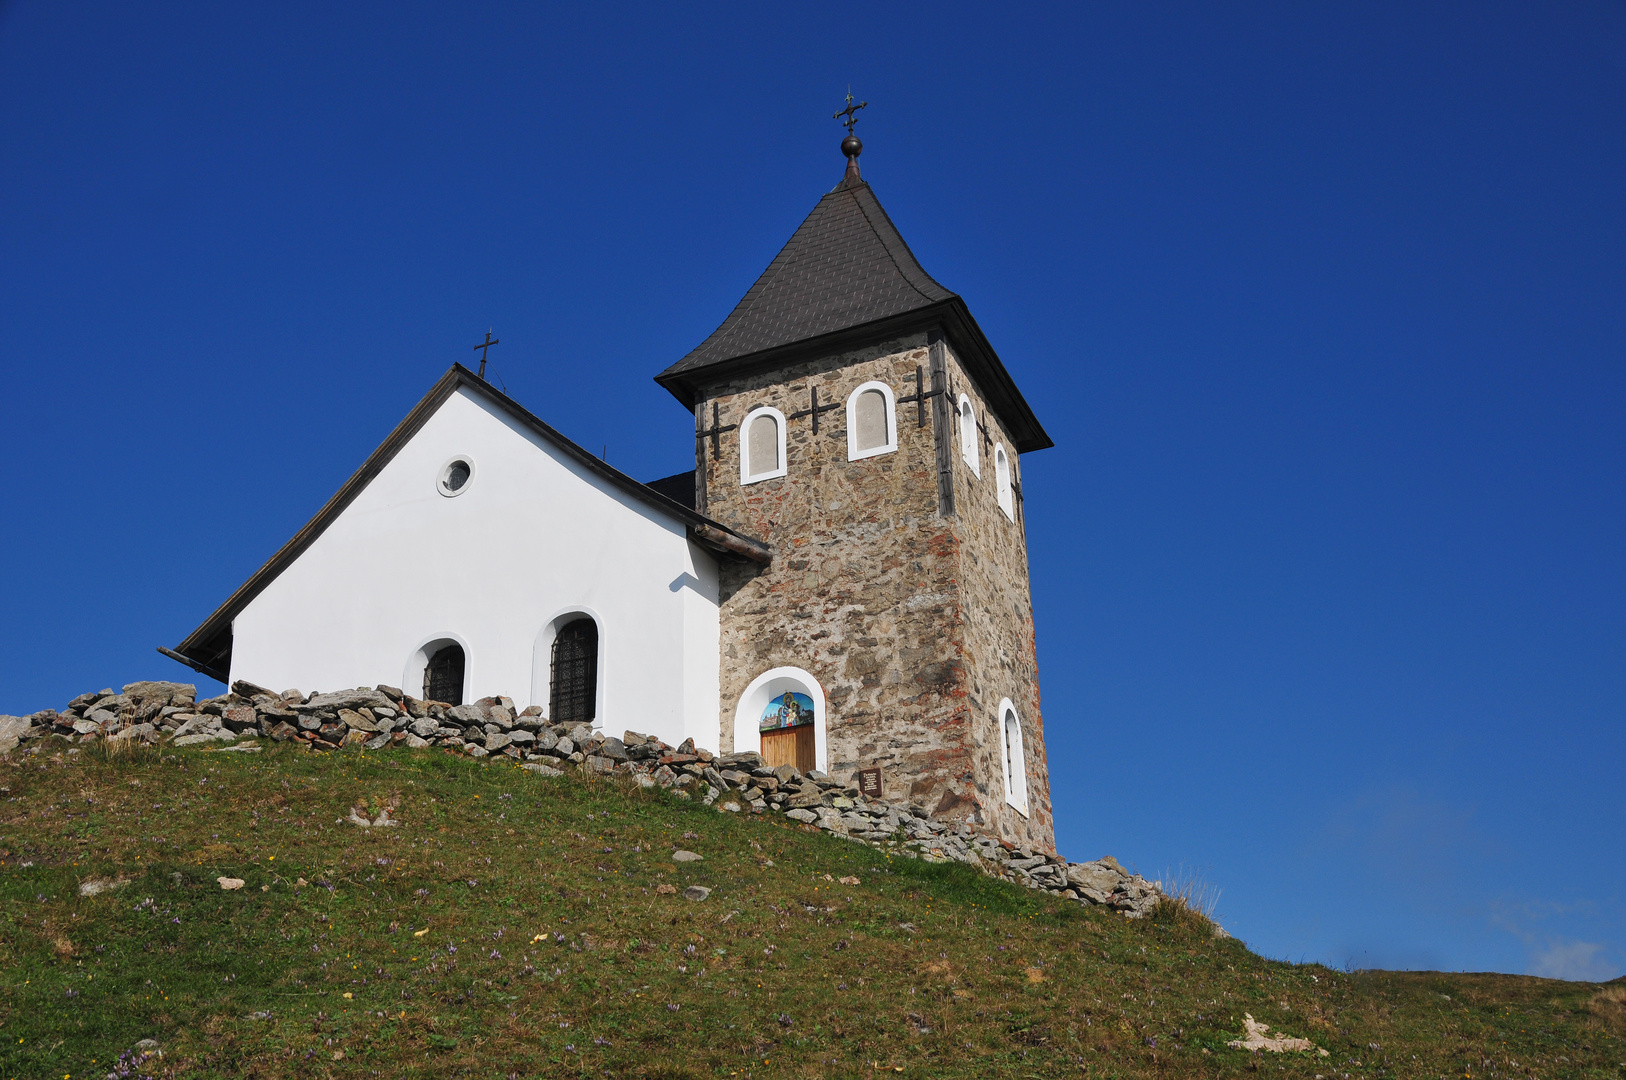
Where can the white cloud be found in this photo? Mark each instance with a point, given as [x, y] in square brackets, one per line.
[1575, 960]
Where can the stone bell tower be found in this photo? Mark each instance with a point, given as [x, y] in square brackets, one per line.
[850, 413]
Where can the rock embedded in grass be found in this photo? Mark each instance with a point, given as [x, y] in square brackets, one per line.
[686, 856]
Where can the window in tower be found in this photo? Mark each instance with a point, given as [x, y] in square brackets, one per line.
[1013, 757]
[872, 427]
[968, 437]
[1002, 480]
[762, 445]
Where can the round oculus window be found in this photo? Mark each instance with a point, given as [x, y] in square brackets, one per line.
[455, 477]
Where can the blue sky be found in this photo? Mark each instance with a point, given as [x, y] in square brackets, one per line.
[1324, 306]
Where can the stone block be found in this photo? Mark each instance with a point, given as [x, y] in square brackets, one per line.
[240, 718]
[344, 699]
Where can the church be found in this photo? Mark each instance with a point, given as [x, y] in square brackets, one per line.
[840, 583]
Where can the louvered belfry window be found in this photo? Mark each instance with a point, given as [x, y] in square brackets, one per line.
[575, 672]
[443, 676]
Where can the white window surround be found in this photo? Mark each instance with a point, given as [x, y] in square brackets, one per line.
[1013, 757]
[747, 475]
[1002, 478]
[763, 689]
[968, 437]
[446, 470]
[542, 661]
[412, 674]
[891, 444]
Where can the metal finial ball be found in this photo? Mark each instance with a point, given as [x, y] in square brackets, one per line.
[851, 146]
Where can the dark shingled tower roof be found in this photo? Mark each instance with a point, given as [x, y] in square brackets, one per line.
[844, 267]
[844, 279]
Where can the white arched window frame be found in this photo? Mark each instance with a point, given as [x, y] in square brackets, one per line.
[968, 437]
[1014, 757]
[891, 443]
[763, 689]
[1002, 479]
[751, 472]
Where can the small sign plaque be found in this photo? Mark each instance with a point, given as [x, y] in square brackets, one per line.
[869, 782]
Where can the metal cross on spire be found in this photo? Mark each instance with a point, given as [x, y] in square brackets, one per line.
[851, 146]
[849, 115]
[482, 349]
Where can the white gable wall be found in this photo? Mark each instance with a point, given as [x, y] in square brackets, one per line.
[535, 536]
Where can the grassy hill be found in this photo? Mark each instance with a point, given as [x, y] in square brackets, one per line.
[515, 926]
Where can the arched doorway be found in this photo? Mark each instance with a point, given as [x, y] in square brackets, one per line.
[781, 716]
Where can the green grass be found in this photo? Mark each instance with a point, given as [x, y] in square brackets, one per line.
[551, 949]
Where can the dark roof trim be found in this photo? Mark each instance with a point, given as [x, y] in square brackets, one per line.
[202, 669]
[951, 316]
[210, 644]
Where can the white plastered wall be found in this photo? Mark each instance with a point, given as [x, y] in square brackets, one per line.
[533, 536]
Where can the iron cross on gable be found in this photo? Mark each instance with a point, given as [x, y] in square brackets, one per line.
[482, 348]
[849, 115]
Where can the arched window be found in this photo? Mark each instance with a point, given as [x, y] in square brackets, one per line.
[1014, 757]
[968, 436]
[573, 695]
[762, 445]
[443, 675]
[1002, 480]
[872, 428]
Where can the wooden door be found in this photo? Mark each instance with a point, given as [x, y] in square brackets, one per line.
[791, 746]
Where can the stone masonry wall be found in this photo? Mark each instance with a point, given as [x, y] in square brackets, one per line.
[866, 592]
[1000, 654]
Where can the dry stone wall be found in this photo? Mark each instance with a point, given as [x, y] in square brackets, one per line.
[356, 721]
